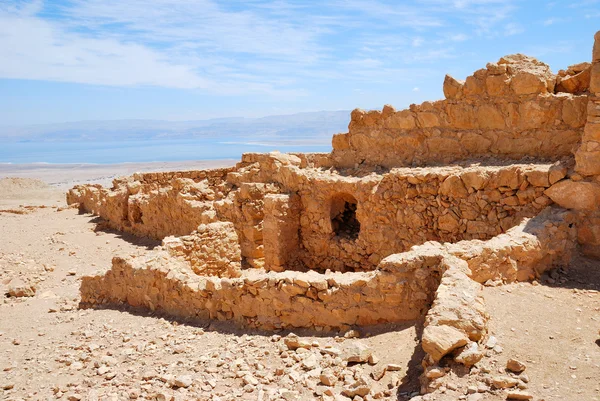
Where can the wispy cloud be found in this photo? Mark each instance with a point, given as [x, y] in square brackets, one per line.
[257, 46]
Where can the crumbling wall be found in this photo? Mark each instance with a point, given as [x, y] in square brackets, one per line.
[212, 250]
[156, 205]
[402, 288]
[580, 191]
[266, 300]
[509, 110]
[407, 207]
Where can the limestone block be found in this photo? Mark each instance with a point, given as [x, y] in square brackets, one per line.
[498, 85]
[574, 111]
[496, 69]
[587, 162]
[340, 142]
[595, 78]
[459, 302]
[591, 132]
[452, 87]
[438, 341]
[428, 120]
[461, 116]
[473, 86]
[454, 187]
[404, 120]
[525, 83]
[596, 50]
[575, 83]
[538, 178]
[490, 117]
[578, 195]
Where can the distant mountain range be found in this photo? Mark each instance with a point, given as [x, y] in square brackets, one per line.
[301, 128]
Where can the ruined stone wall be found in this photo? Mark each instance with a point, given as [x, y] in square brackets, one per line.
[408, 207]
[509, 110]
[401, 288]
[266, 300]
[580, 191]
[156, 205]
[212, 250]
[161, 178]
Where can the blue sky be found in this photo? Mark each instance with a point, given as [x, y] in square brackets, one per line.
[197, 59]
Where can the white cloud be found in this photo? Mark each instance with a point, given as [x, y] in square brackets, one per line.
[34, 49]
[263, 47]
[512, 28]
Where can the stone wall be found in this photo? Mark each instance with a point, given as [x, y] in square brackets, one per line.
[509, 110]
[401, 288]
[580, 191]
[212, 250]
[266, 300]
[156, 205]
[407, 207]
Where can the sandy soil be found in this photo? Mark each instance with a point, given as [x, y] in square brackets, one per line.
[50, 349]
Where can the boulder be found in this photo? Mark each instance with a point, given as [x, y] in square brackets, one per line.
[578, 195]
[438, 341]
[452, 87]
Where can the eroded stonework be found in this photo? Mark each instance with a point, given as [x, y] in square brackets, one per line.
[408, 216]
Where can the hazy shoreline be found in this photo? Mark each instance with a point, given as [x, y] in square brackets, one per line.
[66, 175]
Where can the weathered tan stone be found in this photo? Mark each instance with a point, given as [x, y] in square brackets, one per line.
[575, 83]
[525, 83]
[596, 49]
[595, 78]
[574, 111]
[575, 195]
[340, 141]
[515, 365]
[587, 162]
[438, 341]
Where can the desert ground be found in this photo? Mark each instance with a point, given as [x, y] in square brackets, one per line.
[52, 349]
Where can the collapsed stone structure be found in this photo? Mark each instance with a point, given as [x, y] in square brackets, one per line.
[408, 216]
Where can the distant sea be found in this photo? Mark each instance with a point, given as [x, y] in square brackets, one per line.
[109, 152]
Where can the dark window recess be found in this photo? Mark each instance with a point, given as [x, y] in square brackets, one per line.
[343, 217]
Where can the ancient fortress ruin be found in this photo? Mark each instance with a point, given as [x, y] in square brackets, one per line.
[407, 217]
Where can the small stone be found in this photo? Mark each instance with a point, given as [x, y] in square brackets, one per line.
[504, 382]
[19, 288]
[102, 370]
[491, 342]
[293, 342]
[352, 334]
[358, 353]
[373, 359]
[515, 365]
[434, 373]
[328, 379]
[359, 387]
[518, 395]
[393, 367]
[289, 395]
[183, 381]
[378, 373]
[469, 355]
[310, 363]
